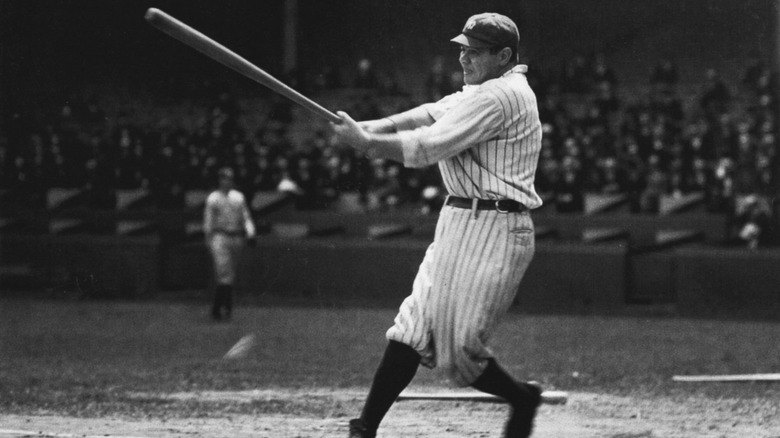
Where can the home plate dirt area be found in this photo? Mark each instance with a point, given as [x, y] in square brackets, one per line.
[159, 370]
[324, 413]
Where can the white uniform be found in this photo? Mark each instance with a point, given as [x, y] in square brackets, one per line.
[226, 223]
[486, 140]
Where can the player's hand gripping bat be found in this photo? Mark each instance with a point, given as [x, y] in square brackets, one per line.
[222, 54]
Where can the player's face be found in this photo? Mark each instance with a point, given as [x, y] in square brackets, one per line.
[479, 65]
[225, 183]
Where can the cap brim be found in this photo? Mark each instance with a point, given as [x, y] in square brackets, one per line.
[463, 40]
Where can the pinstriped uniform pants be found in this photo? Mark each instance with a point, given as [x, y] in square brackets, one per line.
[466, 282]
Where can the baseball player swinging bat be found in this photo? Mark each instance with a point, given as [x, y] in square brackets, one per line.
[222, 54]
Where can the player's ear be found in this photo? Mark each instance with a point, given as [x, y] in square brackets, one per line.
[505, 55]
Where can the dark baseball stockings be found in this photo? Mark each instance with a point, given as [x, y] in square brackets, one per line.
[399, 366]
[523, 398]
[223, 299]
[396, 370]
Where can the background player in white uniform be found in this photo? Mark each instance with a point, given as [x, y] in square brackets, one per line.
[486, 140]
[227, 225]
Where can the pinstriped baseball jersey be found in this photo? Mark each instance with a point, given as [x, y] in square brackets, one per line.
[227, 212]
[486, 139]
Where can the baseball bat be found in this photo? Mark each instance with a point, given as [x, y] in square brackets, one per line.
[225, 56]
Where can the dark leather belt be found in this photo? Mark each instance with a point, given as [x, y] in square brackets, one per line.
[500, 205]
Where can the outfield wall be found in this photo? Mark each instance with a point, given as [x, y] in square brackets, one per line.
[564, 277]
[114, 266]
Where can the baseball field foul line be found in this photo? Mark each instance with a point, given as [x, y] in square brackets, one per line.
[548, 397]
[770, 377]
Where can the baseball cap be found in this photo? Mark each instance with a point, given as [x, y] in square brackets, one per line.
[489, 29]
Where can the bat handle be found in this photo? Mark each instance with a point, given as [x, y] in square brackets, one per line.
[326, 114]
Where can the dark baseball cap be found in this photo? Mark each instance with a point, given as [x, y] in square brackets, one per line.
[489, 30]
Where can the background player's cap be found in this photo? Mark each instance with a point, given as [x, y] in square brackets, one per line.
[489, 30]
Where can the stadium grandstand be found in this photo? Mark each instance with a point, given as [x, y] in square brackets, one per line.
[660, 122]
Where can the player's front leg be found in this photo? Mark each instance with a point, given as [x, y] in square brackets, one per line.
[524, 398]
[396, 370]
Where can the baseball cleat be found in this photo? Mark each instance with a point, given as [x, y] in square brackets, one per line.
[358, 429]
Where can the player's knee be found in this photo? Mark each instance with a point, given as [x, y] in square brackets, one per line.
[464, 371]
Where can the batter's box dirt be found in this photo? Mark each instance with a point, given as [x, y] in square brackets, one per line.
[324, 413]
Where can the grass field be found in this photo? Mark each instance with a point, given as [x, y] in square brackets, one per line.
[162, 361]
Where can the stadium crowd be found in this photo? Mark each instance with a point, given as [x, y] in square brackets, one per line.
[720, 142]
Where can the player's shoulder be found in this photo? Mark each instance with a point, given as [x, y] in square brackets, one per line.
[235, 194]
[213, 196]
[511, 87]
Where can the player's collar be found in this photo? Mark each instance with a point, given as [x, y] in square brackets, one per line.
[519, 68]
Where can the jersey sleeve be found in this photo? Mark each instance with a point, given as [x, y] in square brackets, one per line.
[472, 118]
[411, 119]
[249, 225]
[425, 114]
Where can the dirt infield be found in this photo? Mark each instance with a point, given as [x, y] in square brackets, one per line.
[157, 369]
[322, 413]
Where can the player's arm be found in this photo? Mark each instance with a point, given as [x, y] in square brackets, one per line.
[249, 224]
[379, 126]
[376, 138]
[472, 119]
[407, 120]
[424, 115]
[372, 144]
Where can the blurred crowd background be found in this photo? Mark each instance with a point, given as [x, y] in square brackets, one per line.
[602, 134]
